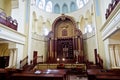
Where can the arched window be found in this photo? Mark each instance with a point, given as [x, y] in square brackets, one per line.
[72, 7]
[85, 29]
[88, 28]
[41, 4]
[33, 2]
[49, 6]
[57, 8]
[85, 1]
[65, 8]
[45, 30]
[80, 3]
[37, 1]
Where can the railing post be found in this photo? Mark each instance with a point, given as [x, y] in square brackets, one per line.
[96, 60]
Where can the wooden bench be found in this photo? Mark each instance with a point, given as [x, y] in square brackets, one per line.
[3, 74]
[51, 74]
[101, 74]
[54, 66]
[108, 77]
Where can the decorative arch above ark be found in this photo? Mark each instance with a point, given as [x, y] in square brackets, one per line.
[65, 41]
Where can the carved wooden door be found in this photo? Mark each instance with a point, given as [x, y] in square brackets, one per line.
[65, 48]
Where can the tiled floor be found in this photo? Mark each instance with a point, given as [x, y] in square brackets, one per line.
[76, 77]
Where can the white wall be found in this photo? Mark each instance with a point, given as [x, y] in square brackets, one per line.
[39, 44]
[11, 35]
[18, 13]
[114, 41]
[103, 6]
[20, 49]
[107, 54]
[89, 46]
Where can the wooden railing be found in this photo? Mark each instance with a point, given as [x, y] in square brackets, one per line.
[8, 21]
[98, 59]
[38, 59]
[24, 62]
[111, 6]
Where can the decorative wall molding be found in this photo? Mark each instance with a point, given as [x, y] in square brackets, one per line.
[38, 37]
[11, 35]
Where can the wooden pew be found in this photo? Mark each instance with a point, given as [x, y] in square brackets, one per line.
[111, 74]
[3, 74]
[101, 74]
[108, 77]
[44, 75]
[91, 73]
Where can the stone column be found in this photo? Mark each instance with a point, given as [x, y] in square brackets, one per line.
[14, 57]
[55, 53]
[11, 58]
[48, 55]
[35, 20]
[79, 44]
[74, 47]
[52, 48]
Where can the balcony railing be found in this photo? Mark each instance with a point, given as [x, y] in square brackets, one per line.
[8, 21]
[111, 7]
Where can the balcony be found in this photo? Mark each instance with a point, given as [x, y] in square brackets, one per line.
[8, 29]
[111, 7]
[8, 21]
[112, 23]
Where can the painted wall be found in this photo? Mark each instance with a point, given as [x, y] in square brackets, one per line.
[1, 4]
[89, 46]
[18, 13]
[39, 44]
[114, 41]
[20, 54]
[4, 51]
[98, 21]
[5, 5]
[103, 6]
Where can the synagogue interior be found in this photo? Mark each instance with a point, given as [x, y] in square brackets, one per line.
[60, 39]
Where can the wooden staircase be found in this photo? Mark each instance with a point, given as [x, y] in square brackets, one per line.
[98, 62]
